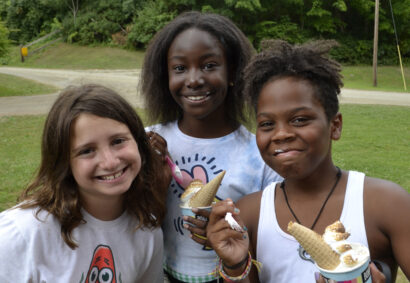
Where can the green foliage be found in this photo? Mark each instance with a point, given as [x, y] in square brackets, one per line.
[4, 5]
[134, 22]
[4, 43]
[245, 5]
[285, 30]
[27, 18]
[96, 21]
[148, 21]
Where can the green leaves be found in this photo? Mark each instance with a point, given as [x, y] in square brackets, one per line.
[4, 42]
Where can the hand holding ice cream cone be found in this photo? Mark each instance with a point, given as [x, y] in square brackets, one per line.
[199, 197]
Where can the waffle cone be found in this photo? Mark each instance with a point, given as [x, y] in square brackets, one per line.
[317, 248]
[206, 195]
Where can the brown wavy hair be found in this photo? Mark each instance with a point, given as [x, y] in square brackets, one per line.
[54, 188]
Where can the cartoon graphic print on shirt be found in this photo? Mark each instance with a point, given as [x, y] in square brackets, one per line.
[102, 268]
[197, 171]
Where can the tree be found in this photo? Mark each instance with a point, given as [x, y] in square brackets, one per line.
[4, 41]
[73, 5]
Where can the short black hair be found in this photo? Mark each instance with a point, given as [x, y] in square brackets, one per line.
[154, 77]
[309, 61]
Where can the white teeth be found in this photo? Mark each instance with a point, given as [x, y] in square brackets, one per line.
[111, 177]
[279, 151]
[196, 98]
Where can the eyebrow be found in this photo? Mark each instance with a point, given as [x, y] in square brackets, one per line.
[205, 56]
[292, 111]
[85, 145]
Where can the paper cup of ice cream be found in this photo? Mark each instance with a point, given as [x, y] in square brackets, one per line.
[354, 266]
[200, 196]
[334, 256]
[187, 211]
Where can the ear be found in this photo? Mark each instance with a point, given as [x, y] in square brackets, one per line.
[336, 124]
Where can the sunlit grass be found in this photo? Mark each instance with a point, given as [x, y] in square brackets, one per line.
[389, 78]
[69, 56]
[16, 86]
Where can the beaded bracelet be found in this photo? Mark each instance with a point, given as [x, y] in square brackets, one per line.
[239, 264]
[231, 279]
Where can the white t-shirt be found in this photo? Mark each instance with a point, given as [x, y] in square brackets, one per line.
[34, 251]
[278, 250]
[203, 159]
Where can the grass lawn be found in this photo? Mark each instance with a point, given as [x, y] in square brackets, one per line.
[70, 56]
[389, 78]
[16, 86]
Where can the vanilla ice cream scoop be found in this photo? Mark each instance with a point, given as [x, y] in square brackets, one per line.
[331, 251]
[335, 232]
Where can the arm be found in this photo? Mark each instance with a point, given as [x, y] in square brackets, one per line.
[230, 245]
[159, 145]
[16, 262]
[386, 212]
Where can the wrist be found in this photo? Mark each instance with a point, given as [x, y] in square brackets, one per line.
[236, 269]
[238, 274]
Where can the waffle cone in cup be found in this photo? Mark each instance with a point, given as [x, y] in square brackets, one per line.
[206, 195]
[324, 256]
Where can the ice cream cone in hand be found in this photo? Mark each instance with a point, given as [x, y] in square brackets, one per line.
[206, 195]
[321, 252]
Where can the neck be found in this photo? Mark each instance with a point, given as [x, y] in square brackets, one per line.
[329, 194]
[314, 184]
[210, 127]
[105, 210]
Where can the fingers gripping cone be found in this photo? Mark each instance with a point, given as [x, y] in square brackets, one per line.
[317, 248]
[206, 195]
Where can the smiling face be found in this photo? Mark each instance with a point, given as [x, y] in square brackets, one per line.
[293, 134]
[104, 159]
[197, 71]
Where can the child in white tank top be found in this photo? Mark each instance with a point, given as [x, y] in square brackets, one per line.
[293, 90]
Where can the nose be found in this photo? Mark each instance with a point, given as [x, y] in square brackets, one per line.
[282, 133]
[195, 78]
[108, 159]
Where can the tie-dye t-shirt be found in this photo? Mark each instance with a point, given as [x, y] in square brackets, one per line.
[203, 159]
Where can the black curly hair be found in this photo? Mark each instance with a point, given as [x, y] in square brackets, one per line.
[308, 62]
[154, 77]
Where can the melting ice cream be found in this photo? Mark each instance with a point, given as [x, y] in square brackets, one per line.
[331, 251]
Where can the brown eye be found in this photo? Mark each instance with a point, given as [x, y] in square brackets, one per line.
[265, 125]
[85, 151]
[118, 141]
[179, 68]
[209, 66]
[300, 121]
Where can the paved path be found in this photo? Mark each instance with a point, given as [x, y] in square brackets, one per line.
[125, 83]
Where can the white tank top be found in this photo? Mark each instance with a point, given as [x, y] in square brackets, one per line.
[278, 251]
